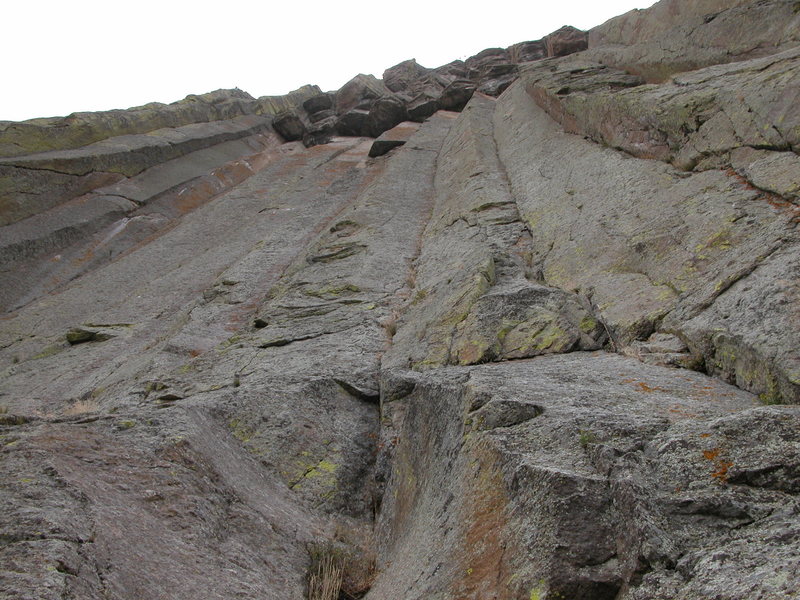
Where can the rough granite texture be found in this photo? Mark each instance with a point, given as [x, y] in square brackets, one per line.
[520, 327]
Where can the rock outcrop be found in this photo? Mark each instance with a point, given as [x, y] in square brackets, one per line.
[525, 326]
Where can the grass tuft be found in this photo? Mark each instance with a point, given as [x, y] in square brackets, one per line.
[326, 572]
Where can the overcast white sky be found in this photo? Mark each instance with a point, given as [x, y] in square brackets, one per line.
[62, 56]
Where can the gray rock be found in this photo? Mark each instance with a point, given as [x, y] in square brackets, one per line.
[456, 95]
[545, 348]
[318, 103]
[289, 126]
[321, 116]
[358, 91]
[384, 114]
[34, 183]
[353, 123]
[80, 129]
[628, 262]
[583, 475]
[422, 107]
[564, 41]
[403, 75]
[675, 36]
[321, 131]
[388, 140]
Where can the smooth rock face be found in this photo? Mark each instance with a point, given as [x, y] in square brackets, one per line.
[681, 35]
[545, 347]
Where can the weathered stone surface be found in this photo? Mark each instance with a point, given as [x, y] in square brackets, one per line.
[474, 300]
[42, 252]
[564, 41]
[354, 122]
[321, 116]
[422, 107]
[637, 26]
[456, 95]
[318, 103]
[384, 114]
[527, 51]
[695, 122]
[394, 137]
[362, 88]
[498, 470]
[319, 468]
[403, 75]
[37, 182]
[321, 132]
[25, 192]
[546, 348]
[289, 126]
[681, 35]
[631, 264]
[485, 64]
[156, 437]
[80, 129]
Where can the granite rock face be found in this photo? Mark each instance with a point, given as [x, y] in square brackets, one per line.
[524, 326]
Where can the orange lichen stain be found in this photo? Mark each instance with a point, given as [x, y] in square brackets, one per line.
[721, 466]
[679, 410]
[721, 474]
[643, 386]
[646, 388]
[705, 435]
[485, 517]
[774, 200]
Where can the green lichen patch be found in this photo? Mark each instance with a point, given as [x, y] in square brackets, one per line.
[241, 432]
[332, 291]
[49, 351]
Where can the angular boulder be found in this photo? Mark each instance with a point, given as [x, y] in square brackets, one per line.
[456, 95]
[384, 114]
[403, 75]
[289, 126]
[388, 140]
[566, 40]
[359, 92]
[353, 123]
[318, 103]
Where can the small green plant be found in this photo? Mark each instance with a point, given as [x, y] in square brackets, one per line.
[420, 296]
[586, 437]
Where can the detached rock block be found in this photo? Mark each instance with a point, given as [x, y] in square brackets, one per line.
[353, 123]
[80, 335]
[403, 75]
[359, 89]
[318, 103]
[385, 114]
[397, 136]
[566, 40]
[422, 107]
[456, 95]
[289, 126]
